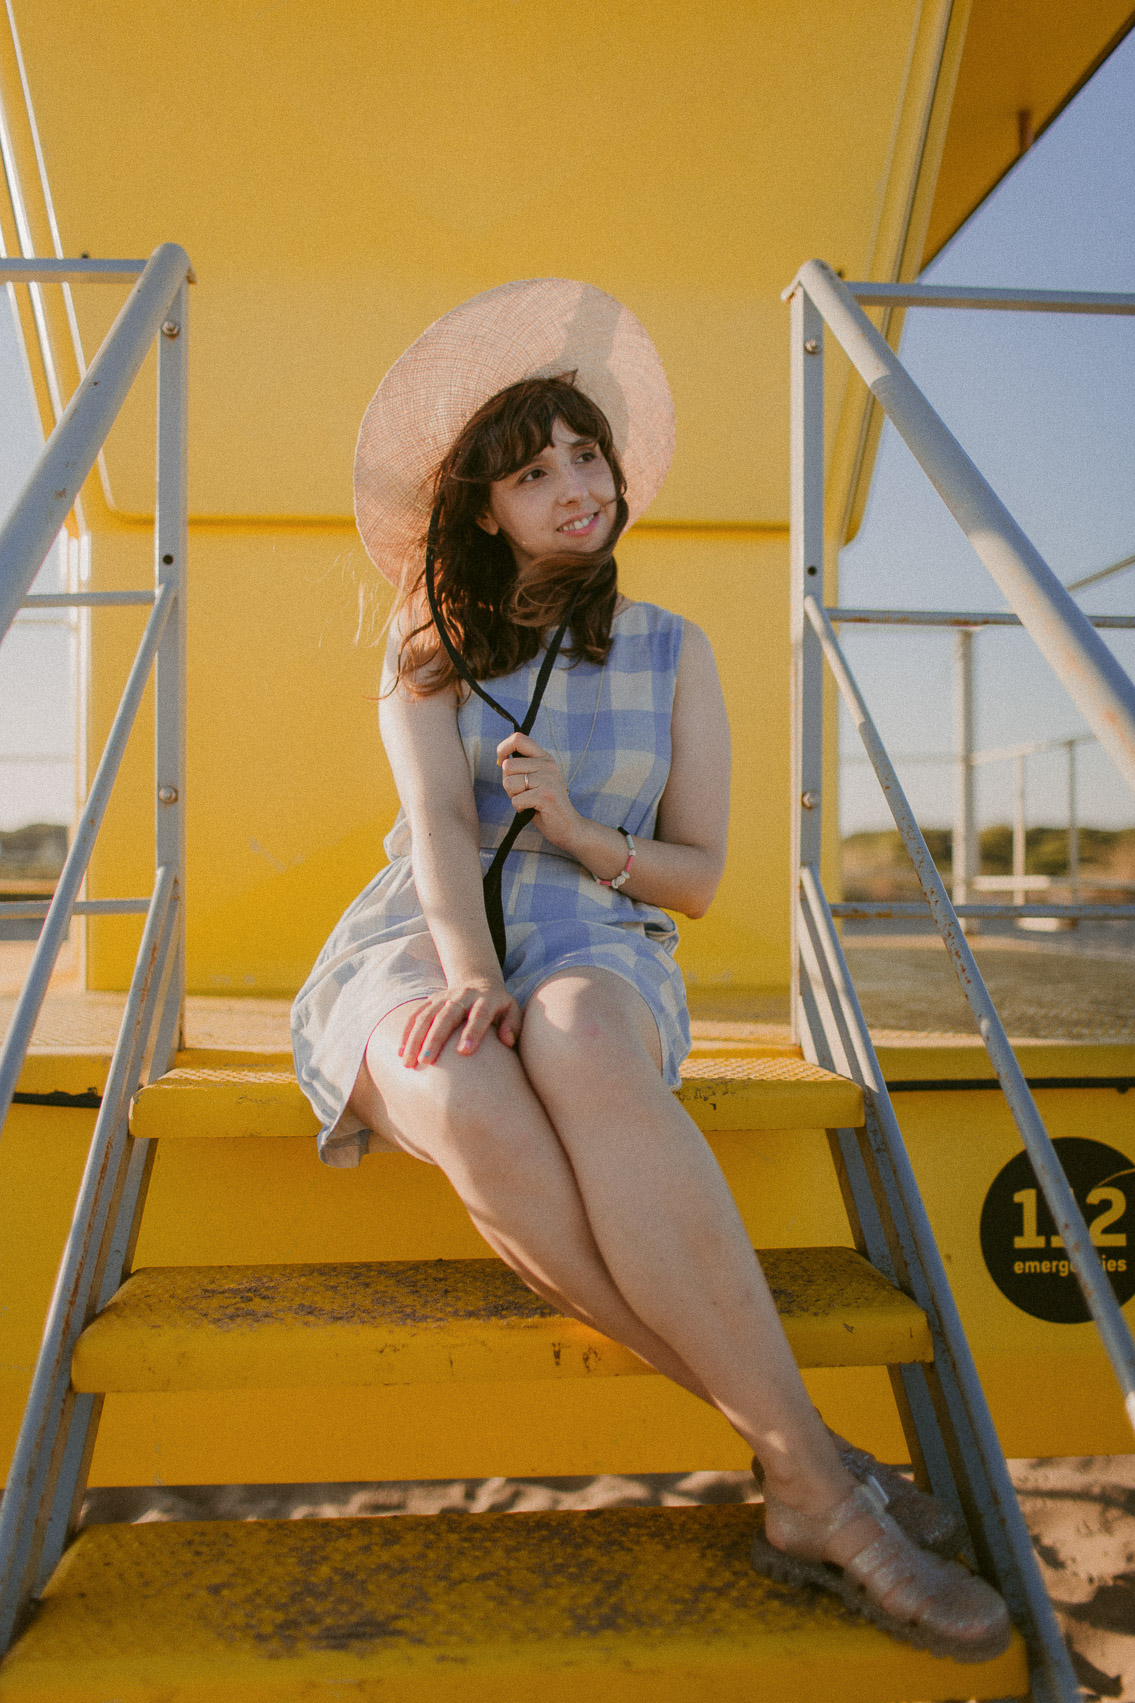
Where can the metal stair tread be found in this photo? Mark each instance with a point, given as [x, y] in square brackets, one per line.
[425, 1321]
[745, 1092]
[617, 1606]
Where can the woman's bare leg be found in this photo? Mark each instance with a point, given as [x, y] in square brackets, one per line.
[666, 1226]
[478, 1120]
[602, 1193]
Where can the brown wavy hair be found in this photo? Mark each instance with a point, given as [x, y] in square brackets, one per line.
[495, 623]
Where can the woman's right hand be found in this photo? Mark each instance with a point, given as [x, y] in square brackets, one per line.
[473, 1008]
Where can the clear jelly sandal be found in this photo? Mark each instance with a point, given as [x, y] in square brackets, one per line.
[932, 1604]
[926, 1521]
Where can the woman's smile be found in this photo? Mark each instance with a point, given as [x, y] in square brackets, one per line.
[585, 523]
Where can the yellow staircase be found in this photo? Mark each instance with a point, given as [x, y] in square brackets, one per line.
[390, 153]
[630, 1606]
[618, 1604]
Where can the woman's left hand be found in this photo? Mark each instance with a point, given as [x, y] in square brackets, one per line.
[533, 781]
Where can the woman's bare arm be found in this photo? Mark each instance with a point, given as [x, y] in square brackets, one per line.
[681, 867]
[432, 776]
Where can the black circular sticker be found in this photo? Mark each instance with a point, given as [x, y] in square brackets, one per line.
[1024, 1255]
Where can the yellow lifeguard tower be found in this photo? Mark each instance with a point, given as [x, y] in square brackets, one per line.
[316, 184]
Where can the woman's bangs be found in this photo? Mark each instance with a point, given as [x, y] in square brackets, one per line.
[522, 429]
[523, 437]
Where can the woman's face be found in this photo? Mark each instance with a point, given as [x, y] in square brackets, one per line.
[563, 500]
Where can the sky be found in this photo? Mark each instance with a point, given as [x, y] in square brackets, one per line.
[1046, 407]
[38, 658]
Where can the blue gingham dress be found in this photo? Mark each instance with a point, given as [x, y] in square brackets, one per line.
[609, 728]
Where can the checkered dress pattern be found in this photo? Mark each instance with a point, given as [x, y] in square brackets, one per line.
[610, 729]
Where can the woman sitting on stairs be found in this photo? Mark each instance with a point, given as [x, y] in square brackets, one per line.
[502, 1000]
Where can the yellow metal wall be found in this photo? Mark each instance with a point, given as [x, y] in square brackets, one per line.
[289, 791]
[342, 174]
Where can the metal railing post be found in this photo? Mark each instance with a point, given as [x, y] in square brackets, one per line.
[1019, 826]
[170, 548]
[964, 847]
[1073, 827]
[806, 571]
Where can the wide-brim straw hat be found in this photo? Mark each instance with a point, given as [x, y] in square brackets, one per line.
[534, 328]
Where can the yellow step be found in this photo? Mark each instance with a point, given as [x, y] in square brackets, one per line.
[436, 1321]
[620, 1606]
[745, 1092]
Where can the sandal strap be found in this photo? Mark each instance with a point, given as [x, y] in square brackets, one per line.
[807, 1535]
[897, 1571]
[927, 1521]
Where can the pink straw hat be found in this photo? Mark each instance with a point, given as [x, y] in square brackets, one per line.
[534, 328]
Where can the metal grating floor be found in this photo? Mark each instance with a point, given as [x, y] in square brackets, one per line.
[1044, 991]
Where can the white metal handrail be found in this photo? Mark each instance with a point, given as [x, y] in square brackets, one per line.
[1104, 693]
[949, 1419]
[37, 271]
[1029, 748]
[157, 308]
[981, 296]
[1093, 678]
[59, 912]
[73, 447]
[1070, 1222]
[966, 760]
[28, 910]
[993, 883]
[53, 1448]
[867, 910]
[86, 599]
[952, 618]
[1109, 572]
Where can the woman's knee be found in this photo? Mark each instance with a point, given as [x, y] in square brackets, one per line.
[582, 1029]
[473, 1114]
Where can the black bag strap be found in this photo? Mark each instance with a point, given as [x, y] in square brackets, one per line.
[494, 905]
